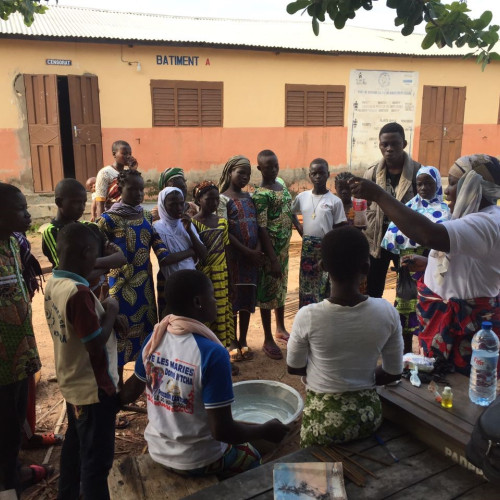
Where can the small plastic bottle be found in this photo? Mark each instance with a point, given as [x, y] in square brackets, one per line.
[484, 359]
[360, 207]
[447, 398]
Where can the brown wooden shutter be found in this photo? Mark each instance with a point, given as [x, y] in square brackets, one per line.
[186, 104]
[314, 105]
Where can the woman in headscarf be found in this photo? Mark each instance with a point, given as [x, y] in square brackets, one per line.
[428, 202]
[462, 279]
[174, 177]
[179, 236]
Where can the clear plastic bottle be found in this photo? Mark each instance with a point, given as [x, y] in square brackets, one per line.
[447, 398]
[483, 375]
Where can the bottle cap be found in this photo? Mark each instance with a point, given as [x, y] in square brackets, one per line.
[486, 325]
[447, 390]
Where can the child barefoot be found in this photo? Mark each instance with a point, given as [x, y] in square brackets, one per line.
[130, 227]
[244, 256]
[19, 358]
[274, 216]
[321, 211]
[337, 344]
[191, 429]
[214, 235]
[179, 237]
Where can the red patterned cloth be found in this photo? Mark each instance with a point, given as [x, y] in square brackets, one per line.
[449, 325]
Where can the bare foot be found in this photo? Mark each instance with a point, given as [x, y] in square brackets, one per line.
[282, 334]
[271, 350]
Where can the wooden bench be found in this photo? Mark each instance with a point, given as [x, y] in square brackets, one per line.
[139, 478]
[445, 429]
[421, 473]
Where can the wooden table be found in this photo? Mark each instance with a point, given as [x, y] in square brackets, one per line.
[445, 429]
[421, 473]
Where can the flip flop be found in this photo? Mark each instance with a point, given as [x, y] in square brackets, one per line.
[122, 422]
[43, 441]
[235, 355]
[272, 351]
[247, 353]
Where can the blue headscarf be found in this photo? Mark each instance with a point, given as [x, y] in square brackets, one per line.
[434, 209]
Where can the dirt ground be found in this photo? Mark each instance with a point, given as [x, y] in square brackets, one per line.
[50, 408]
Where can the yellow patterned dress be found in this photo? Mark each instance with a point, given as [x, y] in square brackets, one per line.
[132, 284]
[216, 239]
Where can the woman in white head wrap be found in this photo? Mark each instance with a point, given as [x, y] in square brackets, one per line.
[462, 279]
[179, 236]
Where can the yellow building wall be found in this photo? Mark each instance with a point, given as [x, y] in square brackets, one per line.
[253, 100]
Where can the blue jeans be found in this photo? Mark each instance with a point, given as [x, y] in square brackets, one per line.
[88, 450]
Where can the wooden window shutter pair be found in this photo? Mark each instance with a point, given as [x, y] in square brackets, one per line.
[177, 103]
[314, 105]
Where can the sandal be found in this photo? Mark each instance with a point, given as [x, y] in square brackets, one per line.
[247, 353]
[43, 441]
[272, 351]
[38, 473]
[235, 355]
[122, 422]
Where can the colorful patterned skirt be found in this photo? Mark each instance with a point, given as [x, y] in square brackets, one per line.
[338, 418]
[314, 283]
[407, 309]
[447, 326]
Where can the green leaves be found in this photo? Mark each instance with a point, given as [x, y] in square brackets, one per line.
[447, 24]
[27, 8]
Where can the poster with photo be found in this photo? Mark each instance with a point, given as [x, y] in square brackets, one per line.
[377, 97]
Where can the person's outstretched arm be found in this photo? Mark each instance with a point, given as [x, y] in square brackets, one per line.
[412, 224]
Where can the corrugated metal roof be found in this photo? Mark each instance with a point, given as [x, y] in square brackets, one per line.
[61, 22]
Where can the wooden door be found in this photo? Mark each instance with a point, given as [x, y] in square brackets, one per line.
[86, 125]
[441, 127]
[44, 132]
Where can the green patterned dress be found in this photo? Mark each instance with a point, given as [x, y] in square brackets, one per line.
[274, 212]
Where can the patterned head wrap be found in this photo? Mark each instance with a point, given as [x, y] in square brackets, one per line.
[479, 177]
[168, 174]
[201, 188]
[232, 163]
[434, 209]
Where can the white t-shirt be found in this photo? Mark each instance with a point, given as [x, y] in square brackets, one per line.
[474, 265]
[105, 177]
[341, 345]
[320, 212]
[185, 376]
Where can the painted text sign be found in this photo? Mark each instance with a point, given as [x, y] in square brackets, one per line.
[177, 60]
[58, 62]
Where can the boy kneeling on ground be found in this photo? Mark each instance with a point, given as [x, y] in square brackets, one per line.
[187, 375]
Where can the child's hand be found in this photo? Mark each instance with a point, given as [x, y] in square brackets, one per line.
[121, 325]
[274, 430]
[275, 269]
[415, 263]
[186, 222]
[132, 163]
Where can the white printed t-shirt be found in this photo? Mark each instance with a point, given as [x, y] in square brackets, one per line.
[185, 376]
[104, 178]
[474, 257]
[341, 345]
[327, 209]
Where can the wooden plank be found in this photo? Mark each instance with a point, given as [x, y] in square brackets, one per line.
[445, 485]
[486, 491]
[140, 478]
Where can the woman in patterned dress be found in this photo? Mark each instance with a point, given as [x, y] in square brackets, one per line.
[213, 233]
[274, 216]
[130, 227]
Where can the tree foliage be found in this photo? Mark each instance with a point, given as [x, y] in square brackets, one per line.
[27, 8]
[446, 24]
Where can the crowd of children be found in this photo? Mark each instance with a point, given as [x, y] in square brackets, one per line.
[219, 258]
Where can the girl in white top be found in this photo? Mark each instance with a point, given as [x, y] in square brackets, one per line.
[337, 344]
[462, 279]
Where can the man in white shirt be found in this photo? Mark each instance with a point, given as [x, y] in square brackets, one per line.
[321, 211]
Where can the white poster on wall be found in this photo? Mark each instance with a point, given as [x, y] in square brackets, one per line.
[376, 98]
